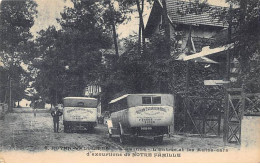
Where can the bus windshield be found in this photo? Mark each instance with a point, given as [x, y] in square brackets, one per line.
[80, 102]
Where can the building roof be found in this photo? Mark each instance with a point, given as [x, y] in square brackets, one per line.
[119, 98]
[180, 12]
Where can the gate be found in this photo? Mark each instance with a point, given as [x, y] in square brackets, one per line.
[199, 115]
[234, 110]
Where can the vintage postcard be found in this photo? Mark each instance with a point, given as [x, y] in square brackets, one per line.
[121, 81]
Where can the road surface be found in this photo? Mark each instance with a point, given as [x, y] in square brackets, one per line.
[22, 131]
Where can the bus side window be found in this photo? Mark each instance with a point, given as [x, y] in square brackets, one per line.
[156, 100]
[151, 100]
[146, 100]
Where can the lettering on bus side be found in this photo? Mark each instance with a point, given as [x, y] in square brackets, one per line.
[79, 117]
[151, 108]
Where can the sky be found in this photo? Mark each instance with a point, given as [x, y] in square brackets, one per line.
[49, 11]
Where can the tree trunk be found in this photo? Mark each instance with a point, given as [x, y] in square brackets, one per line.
[141, 37]
[10, 94]
[114, 29]
[167, 30]
[115, 39]
[142, 25]
[167, 52]
[243, 7]
[244, 59]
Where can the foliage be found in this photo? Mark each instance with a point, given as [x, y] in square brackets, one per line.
[243, 18]
[16, 19]
[150, 72]
[69, 59]
[252, 78]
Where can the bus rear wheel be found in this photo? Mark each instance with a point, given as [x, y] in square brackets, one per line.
[90, 128]
[158, 139]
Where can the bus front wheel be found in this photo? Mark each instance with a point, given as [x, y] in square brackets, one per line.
[90, 128]
[67, 127]
[109, 133]
[122, 139]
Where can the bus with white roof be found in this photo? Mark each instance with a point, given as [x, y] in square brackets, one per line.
[79, 113]
[147, 115]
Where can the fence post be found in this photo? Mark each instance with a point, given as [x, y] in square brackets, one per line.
[226, 112]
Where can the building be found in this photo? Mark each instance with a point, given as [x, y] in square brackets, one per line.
[194, 25]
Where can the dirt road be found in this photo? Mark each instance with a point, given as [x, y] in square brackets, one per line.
[23, 131]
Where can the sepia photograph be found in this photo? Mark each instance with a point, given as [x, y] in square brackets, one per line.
[129, 81]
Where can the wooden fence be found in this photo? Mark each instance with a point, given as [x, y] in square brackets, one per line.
[252, 104]
[199, 115]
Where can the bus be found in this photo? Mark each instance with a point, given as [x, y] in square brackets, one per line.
[134, 115]
[79, 113]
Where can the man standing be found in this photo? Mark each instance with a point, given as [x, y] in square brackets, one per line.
[56, 114]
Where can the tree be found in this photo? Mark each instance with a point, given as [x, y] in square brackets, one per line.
[69, 59]
[111, 18]
[244, 22]
[243, 19]
[16, 19]
[140, 5]
[86, 34]
[166, 24]
[48, 78]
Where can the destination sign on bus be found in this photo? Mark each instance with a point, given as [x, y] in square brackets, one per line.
[80, 109]
[151, 108]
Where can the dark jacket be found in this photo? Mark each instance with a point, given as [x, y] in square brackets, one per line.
[56, 115]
